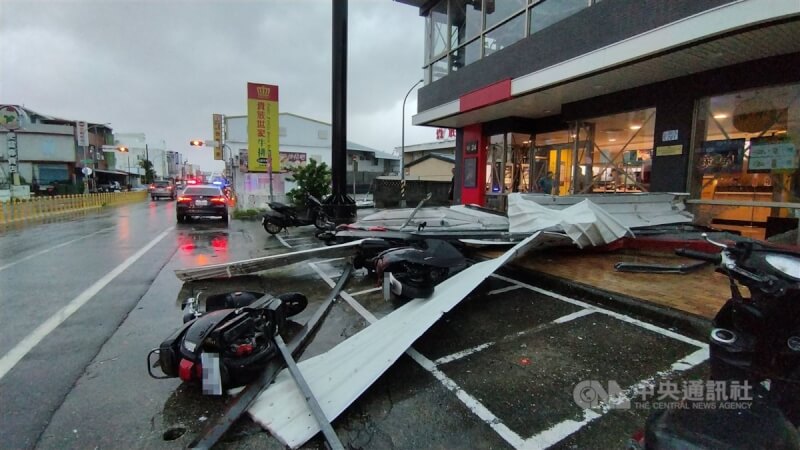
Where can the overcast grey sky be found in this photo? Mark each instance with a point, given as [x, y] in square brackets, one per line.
[163, 67]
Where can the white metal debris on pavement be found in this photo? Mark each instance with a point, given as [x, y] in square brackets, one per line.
[586, 223]
[339, 376]
[249, 266]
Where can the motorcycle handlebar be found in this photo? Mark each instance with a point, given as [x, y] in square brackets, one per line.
[715, 258]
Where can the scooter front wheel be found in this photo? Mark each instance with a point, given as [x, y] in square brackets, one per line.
[321, 222]
[272, 228]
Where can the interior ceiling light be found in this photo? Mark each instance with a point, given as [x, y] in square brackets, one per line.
[612, 140]
[720, 116]
[635, 127]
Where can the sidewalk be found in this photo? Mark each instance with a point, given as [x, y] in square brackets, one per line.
[685, 301]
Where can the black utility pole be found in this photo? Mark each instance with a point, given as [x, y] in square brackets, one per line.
[341, 207]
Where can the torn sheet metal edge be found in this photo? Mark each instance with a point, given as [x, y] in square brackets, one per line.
[247, 266]
[586, 223]
[339, 376]
[632, 209]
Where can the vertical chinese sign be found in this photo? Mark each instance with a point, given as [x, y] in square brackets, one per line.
[262, 127]
[217, 118]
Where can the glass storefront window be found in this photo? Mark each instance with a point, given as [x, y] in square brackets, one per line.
[746, 150]
[622, 147]
[467, 54]
[439, 69]
[504, 35]
[548, 12]
[498, 10]
[553, 153]
[437, 30]
[465, 21]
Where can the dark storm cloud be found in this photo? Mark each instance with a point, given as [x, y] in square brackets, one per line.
[163, 67]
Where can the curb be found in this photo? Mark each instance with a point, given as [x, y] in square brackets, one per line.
[686, 323]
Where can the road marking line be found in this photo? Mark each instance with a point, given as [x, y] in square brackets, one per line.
[347, 297]
[55, 247]
[464, 353]
[366, 291]
[329, 260]
[618, 316]
[573, 316]
[10, 359]
[282, 241]
[562, 430]
[469, 401]
[505, 289]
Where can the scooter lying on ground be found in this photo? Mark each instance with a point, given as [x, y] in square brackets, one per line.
[283, 216]
[235, 333]
[412, 270]
[755, 342]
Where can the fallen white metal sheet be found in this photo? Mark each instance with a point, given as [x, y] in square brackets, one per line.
[248, 266]
[631, 209]
[454, 218]
[586, 223]
[342, 374]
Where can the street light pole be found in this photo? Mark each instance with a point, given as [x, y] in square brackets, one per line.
[403, 149]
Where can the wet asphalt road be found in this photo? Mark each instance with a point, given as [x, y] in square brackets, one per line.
[496, 372]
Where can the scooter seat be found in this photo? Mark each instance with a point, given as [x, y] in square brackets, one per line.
[277, 206]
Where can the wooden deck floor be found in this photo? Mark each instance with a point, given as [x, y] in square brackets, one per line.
[701, 292]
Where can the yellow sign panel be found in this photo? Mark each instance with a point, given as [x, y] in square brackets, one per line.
[669, 150]
[262, 127]
[218, 136]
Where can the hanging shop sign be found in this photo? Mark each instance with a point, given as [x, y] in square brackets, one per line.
[262, 127]
[291, 160]
[217, 129]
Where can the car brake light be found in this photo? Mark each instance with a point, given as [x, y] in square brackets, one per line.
[218, 200]
[152, 186]
[184, 199]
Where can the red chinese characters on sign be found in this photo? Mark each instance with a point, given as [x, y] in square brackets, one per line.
[440, 133]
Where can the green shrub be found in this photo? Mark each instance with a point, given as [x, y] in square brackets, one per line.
[312, 178]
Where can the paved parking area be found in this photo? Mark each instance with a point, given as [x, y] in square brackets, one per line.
[498, 371]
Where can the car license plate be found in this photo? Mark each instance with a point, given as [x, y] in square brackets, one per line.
[201, 202]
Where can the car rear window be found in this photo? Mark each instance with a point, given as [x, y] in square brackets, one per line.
[162, 183]
[202, 191]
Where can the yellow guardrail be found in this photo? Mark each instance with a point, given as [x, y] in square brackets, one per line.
[37, 208]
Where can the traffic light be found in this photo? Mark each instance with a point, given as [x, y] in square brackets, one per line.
[196, 143]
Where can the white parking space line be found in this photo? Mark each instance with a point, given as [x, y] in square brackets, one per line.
[10, 359]
[464, 353]
[470, 402]
[282, 241]
[366, 291]
[618, 316]
[505, 289]
[329, 260]
[296, 238]
[347, 297]
[562, 430]
[55, 247]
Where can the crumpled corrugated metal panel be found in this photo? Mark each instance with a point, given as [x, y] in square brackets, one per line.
[586, 223]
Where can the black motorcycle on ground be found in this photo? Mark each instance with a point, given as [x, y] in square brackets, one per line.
[411, 269]
[755, 342]
[281, 216]
[237, 329]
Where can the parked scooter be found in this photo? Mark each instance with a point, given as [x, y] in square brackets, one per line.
[755, 341]
[283, 216]
[229, 342]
